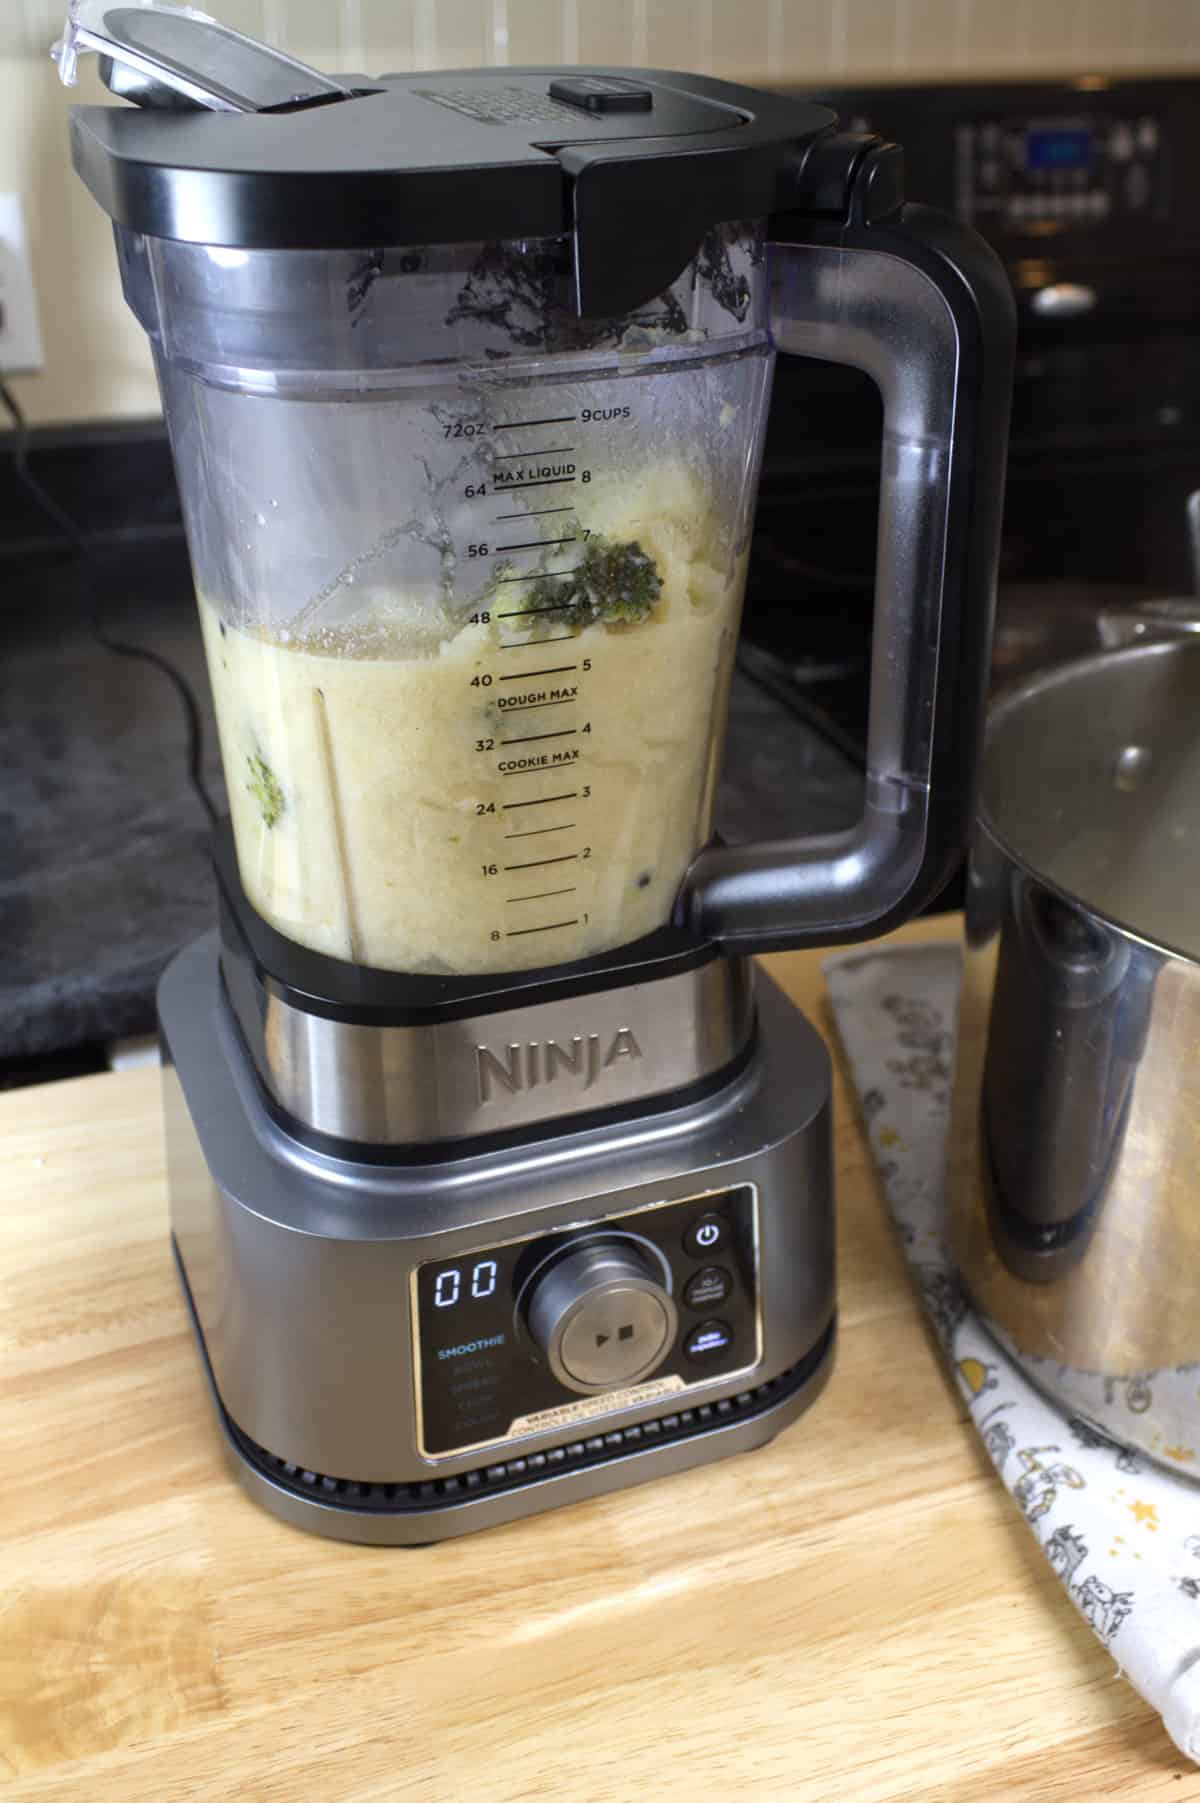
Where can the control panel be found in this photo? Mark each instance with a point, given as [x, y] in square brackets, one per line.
[1049, 173]
[527, 1335]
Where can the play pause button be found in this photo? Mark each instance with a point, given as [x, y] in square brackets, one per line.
[616, 1337]
[627, 1331]
[602, 1315]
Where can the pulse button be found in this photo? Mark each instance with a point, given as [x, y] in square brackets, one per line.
[705, 1236]
[709, 1340]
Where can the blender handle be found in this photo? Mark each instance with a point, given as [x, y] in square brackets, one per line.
[921, 303]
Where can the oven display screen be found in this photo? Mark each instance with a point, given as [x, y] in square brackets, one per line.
[1058, 147]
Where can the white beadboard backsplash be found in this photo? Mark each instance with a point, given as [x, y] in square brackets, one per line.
[780, 39]
[97, 364]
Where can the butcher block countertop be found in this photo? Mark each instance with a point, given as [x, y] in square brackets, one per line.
[856, 1611]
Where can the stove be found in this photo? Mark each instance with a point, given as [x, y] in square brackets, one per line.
[1081, 188]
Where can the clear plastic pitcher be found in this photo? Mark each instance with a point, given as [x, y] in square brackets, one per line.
[466, 378]
[469, 572]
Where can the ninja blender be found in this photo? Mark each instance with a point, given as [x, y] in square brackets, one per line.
[498, 1178]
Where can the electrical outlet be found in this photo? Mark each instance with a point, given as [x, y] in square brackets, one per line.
[20, 334]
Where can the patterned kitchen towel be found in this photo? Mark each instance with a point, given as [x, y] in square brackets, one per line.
[1122, 1535]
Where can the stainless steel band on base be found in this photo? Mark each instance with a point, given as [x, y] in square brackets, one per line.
[497, 1072]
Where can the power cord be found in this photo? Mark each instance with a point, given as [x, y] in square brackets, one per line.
[95, 613]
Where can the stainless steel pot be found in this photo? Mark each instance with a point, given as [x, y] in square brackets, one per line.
[1074, 1175]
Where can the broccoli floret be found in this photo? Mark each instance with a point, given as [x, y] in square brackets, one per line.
[265, 788]
[614, 584]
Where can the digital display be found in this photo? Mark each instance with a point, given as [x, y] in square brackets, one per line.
[1058, 147]
[477, 1281]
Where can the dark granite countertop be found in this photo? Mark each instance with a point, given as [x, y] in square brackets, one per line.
[107, 869]
[106, 873]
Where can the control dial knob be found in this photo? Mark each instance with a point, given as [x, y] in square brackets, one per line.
[602, 1315]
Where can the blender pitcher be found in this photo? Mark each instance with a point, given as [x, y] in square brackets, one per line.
[499, 1175]
[469, 486]
[469, 570]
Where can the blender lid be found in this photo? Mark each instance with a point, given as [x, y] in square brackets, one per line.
[637, 163]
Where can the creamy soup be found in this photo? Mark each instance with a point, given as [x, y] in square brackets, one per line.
[528, 787]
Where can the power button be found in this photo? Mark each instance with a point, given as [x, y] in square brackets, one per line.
[705, 1236]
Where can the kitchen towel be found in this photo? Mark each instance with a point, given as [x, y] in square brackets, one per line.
[1122, 1534]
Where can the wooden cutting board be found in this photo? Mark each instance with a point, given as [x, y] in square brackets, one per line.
[855, 1611]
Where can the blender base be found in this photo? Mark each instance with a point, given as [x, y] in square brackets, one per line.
[421, 1514]
[357, 1397]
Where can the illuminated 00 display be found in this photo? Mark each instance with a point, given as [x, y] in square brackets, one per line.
[448, 1284]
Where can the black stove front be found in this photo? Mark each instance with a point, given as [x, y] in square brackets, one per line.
[1083, 190]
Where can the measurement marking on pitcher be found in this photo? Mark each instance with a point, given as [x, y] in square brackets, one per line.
[523, 613]
[551, 926]
[536, 832]
[567, 732]
[570, 857]
[558, 638]
[515, 425]
[550, 450]
[536, 544]
[533, 513]
[542, 801]
[550, 670]
[542, 895]
[541, 482]
[540, 573]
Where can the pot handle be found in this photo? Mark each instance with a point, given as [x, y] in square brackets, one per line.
[922, 305]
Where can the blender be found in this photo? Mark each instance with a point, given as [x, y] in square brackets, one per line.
[497, 1177]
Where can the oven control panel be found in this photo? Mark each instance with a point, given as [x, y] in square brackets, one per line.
[530, 1335]
[1061, 170]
